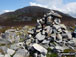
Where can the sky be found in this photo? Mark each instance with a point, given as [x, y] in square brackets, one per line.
[66, 6]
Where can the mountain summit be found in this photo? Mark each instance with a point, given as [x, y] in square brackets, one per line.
[30, 14]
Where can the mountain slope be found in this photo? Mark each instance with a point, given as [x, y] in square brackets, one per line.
[30, 14]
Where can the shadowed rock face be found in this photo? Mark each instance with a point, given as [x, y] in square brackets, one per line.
[35, 12]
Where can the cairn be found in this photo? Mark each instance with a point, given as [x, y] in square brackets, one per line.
[48, 33]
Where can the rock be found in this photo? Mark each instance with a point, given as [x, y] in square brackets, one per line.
[4, 41]
[17, 45]
[1, 55]
[53, 36]
[45, 45]
[59, 37]
[4, 49]
[56, 15]
[52, 47]
[29, 41]
[25, 27]
[21, 53]
[40, 37]
[35, 54]
[7, 55]
[14, 46]
[43, 55]
[49, 19]
[40, 48]
[46, 41]
[63, 26]
[20, 45]
[43, 32]
[38, 30]
[56, 26]
[17, 39]
[10, 30]
[57, 21]
[59, 47]
[37, 21]
[48, 33]
[10, 51]
[29, 36]
[74, 39]
[59, 30]
[39, 55]
[48, 29]
[10, 36]
[30, 31]
[3, 35]
[69, 35]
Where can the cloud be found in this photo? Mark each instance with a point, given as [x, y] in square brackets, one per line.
[4, 11]
[7, 10]
[47, 3]
[69, 8]
[34, 4]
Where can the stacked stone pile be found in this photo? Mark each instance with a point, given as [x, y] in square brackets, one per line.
[48, 33]
[48, 36]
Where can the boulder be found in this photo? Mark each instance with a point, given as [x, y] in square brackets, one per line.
[4, 49]
[4, 41]
[57, 21]
[56, 26]
[39, 36]
[59, 36]
[46, 41]
[20, 45]
[1, 55]
[7, 55]
[48, 29]
[21, 53]
[10, 51]
[16, 46]
[40, 48]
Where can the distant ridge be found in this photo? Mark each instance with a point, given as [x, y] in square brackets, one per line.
[18, 17]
